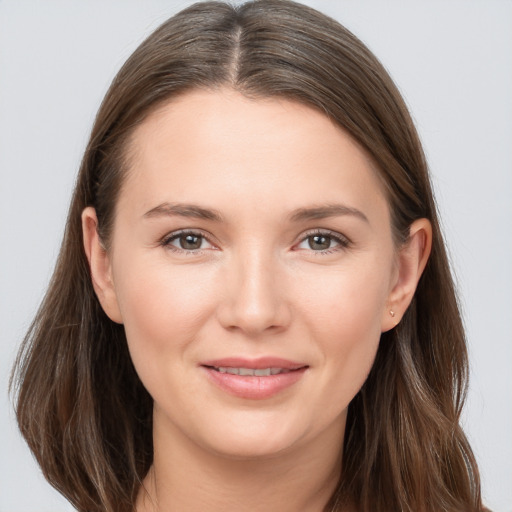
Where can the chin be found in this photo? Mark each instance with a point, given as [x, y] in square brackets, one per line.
[260, 447]
[260, 436]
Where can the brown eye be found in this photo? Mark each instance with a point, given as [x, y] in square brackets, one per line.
[186, 241]
[190, 242]
[319, 242]
[323, 242]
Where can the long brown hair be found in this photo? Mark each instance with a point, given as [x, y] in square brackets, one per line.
[81, 406]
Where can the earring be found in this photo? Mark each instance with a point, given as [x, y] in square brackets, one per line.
[391, 312]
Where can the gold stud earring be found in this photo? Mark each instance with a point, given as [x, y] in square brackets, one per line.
[391, 312]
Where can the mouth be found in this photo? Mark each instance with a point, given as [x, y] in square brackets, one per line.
[254, 379]
[251, 372]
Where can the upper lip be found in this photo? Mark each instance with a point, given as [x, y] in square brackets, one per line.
[256, 364]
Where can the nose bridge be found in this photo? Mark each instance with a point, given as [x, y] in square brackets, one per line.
[255, 300]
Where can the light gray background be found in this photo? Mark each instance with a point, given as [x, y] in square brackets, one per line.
[451, 58]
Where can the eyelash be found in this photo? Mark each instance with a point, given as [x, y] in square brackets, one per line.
[343, 241]
[166, 241]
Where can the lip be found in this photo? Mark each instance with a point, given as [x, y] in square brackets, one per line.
[257, 363]
[254, 387]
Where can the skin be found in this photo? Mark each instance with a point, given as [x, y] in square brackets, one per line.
[258, 284]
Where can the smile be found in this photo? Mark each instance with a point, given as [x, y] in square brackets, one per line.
[257, 372]
[257, 379]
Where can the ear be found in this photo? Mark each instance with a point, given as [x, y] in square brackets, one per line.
[412, 259]
[100, 265]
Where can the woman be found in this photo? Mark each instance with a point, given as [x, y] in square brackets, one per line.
[252, 307]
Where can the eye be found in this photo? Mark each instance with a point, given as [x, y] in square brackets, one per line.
[323, 242]
[186, 241]
[319, 242]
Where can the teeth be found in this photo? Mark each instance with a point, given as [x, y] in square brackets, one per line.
[263, 372]
[260, 372]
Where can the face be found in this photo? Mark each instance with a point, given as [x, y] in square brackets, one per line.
[253, 268]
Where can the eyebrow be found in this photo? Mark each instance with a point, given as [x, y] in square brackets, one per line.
[326, 211]
[299, 215]
[184, 210]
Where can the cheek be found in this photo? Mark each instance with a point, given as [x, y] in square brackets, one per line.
[343, 301]
[343, 311]
[162, 307]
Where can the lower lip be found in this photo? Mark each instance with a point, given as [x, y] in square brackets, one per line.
[254, 387]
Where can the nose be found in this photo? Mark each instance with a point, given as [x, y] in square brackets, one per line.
[253, 300]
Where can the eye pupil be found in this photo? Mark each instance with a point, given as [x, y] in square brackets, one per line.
[319, 242]
[190, 242]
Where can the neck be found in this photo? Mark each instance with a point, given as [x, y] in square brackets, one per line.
[187, 477]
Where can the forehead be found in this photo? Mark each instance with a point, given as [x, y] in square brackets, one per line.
[222, 147]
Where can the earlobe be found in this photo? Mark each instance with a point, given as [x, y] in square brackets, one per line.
[412, 260]
[99, 265]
